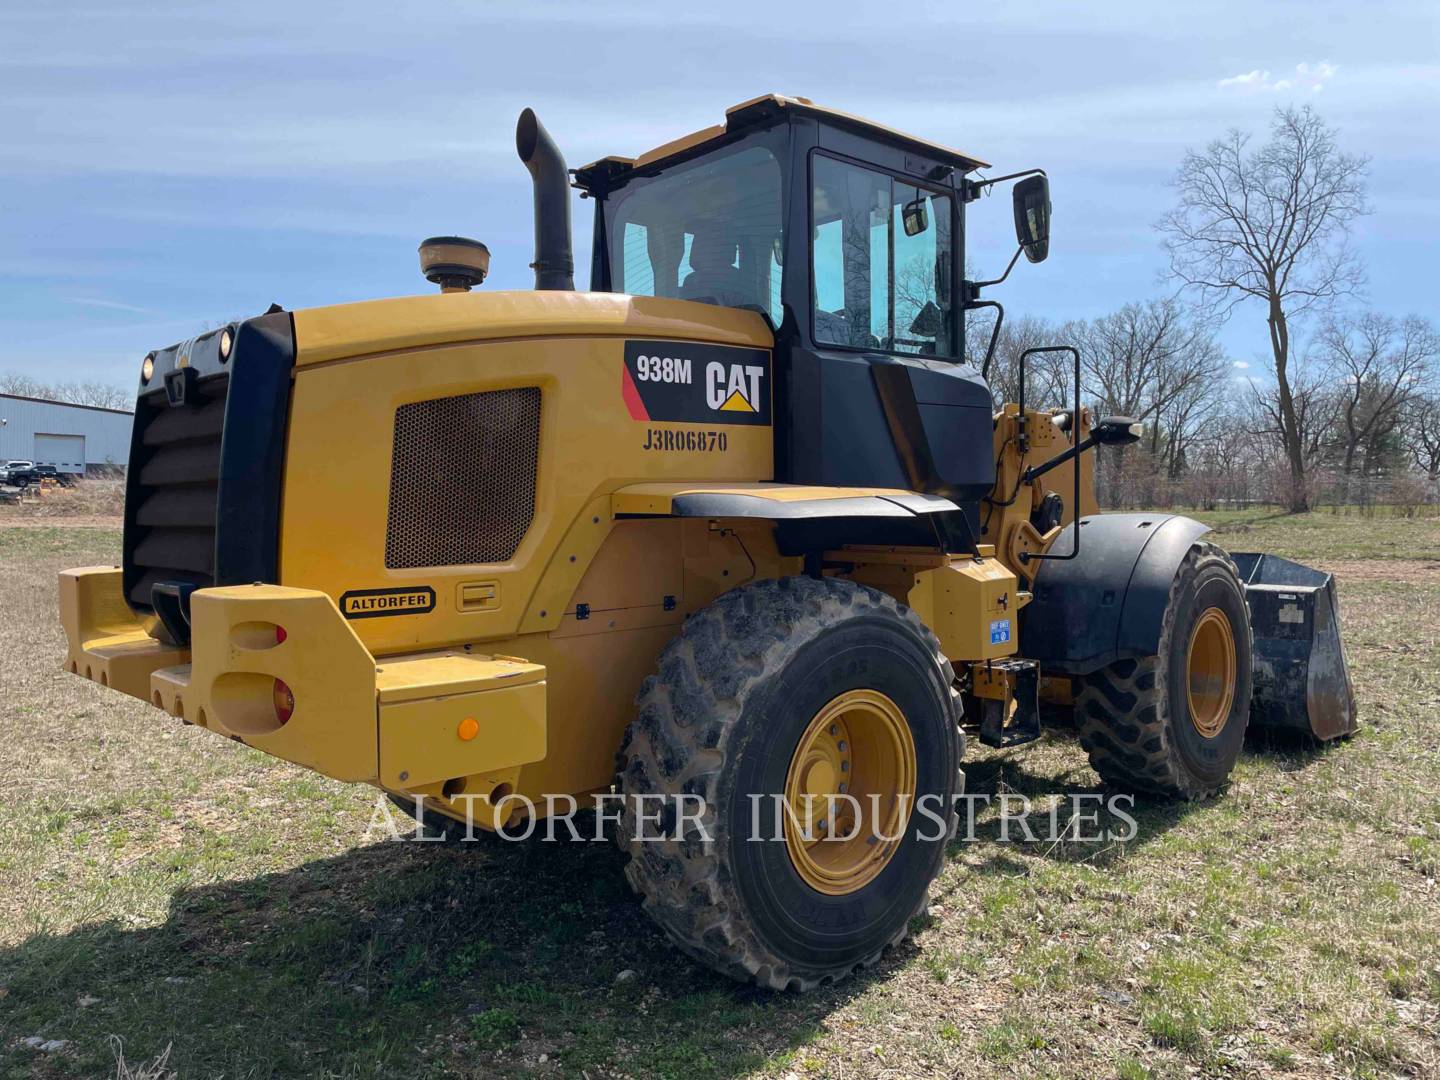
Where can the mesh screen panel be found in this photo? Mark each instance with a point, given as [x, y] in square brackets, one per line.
[462, 479]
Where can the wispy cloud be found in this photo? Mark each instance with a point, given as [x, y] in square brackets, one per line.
[112, 305]
[1242, 364]
[1306, 77]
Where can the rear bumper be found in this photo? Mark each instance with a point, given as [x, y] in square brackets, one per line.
[409, 723]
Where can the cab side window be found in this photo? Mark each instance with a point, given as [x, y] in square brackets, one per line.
[881, 255]
[709, 231]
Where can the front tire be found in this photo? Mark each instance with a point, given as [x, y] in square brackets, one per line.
[1173, 724]
[778, 688]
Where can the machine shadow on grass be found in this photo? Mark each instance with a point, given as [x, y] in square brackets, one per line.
[1012, 776]
[396, 958]
[1013, 773]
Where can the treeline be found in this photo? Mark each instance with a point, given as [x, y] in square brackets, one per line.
[1365, 389]
[88, 392]
[1344, 407]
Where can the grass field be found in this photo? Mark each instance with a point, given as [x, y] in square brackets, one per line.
[191, 905]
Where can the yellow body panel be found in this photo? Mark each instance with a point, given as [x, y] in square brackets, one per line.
[972, 605]
[1008, 526]
[235, 661]
[104, 640]
[373, 327]
[342, 430]
[448, 674]
[422, 741]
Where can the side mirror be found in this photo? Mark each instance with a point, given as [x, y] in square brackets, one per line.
[1117, 431]
[915, 217]
[1032, 217]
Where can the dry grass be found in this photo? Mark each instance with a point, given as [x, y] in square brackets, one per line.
[89, 502]
[185, 893]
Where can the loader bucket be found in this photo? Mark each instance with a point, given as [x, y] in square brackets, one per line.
[1301, 680]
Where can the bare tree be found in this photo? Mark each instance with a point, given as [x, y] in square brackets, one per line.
[1149, 362]
[92, 392]
[1271, 225]
[1422, 434]
[1137, 360]
[1189, 409]
[1378, 364]
[88, 392]
[12, 382]
[1314, 408]
[1049, 379]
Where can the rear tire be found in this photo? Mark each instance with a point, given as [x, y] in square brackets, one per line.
[736, 703]
[1173, 724]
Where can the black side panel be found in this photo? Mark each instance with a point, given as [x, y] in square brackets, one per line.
[1108, 603]
[940, 424]
[252, 452]
[857, 420]
[837, 431]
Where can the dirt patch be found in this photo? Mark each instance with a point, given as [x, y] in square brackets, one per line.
[1400, 571]
[95, 500]
[89, 521]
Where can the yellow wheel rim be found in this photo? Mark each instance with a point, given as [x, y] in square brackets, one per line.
[1210, 667]
[860, 746]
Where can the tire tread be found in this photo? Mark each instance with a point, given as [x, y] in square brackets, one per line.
[690, 719]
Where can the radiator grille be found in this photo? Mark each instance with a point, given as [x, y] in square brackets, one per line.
[173, 478]
[462, 478]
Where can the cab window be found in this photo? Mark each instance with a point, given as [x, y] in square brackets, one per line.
[881, 254]
[710, 232]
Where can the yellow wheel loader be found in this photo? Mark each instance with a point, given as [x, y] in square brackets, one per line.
[737, 537]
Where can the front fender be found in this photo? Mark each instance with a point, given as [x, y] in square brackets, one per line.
[1109, 602]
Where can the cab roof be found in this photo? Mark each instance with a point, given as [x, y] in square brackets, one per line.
[755, 113]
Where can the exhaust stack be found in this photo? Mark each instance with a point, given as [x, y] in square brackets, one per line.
[554, 263]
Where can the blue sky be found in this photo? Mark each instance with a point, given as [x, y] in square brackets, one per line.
[164, 167]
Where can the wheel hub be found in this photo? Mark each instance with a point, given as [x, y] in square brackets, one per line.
[859, 745]
[1210, 672]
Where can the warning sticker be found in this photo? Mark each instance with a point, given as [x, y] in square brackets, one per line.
[999, 631]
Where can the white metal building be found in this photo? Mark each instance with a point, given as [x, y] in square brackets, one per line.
[70, 437]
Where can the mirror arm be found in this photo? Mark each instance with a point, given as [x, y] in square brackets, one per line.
[978, 285]
[974, 187]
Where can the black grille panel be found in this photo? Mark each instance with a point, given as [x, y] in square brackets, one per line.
[174, 482]
[462, 480]
[202, 492]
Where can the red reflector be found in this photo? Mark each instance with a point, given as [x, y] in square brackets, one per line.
[280, 635]
[284, 701]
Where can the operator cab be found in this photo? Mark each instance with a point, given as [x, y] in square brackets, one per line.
[848, 237]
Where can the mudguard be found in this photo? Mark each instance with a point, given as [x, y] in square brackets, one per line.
[1108, 603]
